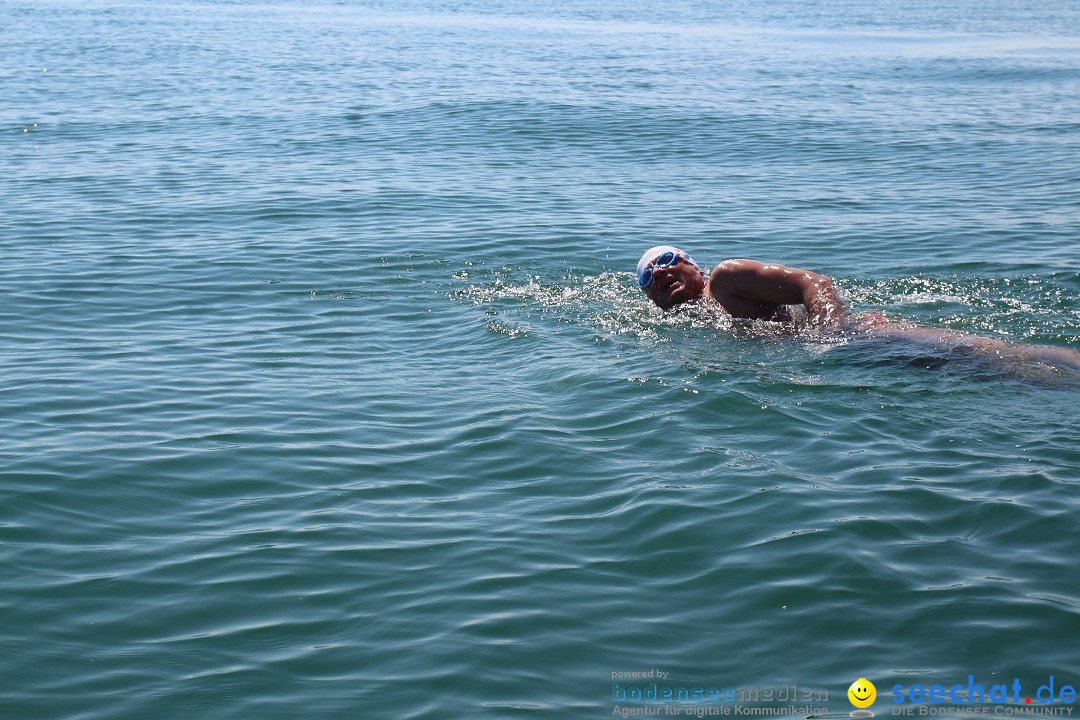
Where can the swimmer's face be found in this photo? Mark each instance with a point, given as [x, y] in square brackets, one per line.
[675, 285]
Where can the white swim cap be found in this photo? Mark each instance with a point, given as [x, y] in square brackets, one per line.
[655, 252]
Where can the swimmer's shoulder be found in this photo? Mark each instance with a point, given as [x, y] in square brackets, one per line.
[745, 269]
[737, 265]
[732, 273]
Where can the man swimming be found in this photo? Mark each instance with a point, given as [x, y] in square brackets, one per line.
[753, 290]
[743, 288]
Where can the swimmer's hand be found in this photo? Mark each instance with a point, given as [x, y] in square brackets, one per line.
[752, 289]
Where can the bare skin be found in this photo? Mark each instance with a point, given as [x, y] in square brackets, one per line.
[751, 290]
[876, 325]
[761, 291]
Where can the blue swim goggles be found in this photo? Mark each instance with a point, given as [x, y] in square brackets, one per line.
[668, 259]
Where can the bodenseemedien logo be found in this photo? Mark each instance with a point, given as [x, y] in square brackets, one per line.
[862, 694]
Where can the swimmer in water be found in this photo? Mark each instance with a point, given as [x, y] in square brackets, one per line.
[754, 290]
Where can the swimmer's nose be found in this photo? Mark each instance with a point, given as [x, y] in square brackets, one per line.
[662, 275]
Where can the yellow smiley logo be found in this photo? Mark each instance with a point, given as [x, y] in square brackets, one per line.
[862, 693]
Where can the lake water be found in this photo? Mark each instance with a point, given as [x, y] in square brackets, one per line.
[329, 391]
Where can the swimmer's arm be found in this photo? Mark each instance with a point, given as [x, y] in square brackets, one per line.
[747, 287]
